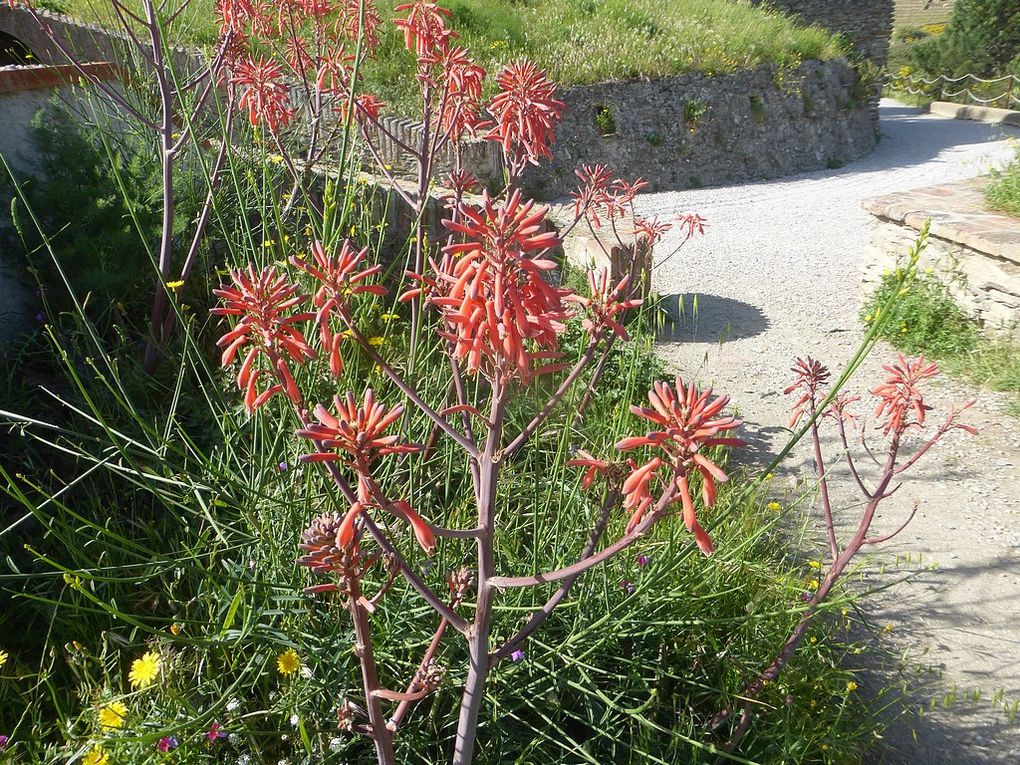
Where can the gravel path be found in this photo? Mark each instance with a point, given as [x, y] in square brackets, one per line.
[777, 275]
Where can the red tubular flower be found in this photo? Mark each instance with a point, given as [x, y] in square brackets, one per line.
[490, 290]
[425, 30]
[460, 102]
[691, 223]
[264, 302]
[339, 280]
[595, 467]
[689, 422]
[839, 409]
[592, 195]
[811, 376]
[900, 399]
[265, 96]
[355, 436]
[359, 17]
[651, 229]
[604, 305]
[525, 113]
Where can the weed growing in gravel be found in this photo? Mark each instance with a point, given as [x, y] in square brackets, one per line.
[924, 318]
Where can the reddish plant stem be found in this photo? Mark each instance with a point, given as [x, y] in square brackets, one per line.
[478, 633]
[382, 736]
[668, 496]
[753, 689]
[538, 618]
[830, 528]
[430, 653]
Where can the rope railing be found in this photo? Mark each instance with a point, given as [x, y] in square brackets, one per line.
[1002, 92]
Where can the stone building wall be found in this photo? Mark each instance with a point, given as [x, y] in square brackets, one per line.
[865, 23]
[693, 130]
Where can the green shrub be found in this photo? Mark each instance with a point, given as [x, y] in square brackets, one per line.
[1003, 192]
[925, 319]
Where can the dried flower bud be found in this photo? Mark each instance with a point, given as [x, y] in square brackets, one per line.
[430, 676]
[345, 716]
[460, 581]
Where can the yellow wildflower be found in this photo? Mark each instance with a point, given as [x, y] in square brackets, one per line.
[814, 563]
[390, 316]
[145, 670]
[112, 715]
[96, 757]
[813, 640]
[774, 506]
[176, 628]
[288, 662]
[887, 628]
[268, 243]
[813, 584]
[276, 159]
[769, 476]
[851, 687]
[4, 656]
[176, 285]
[376, 341]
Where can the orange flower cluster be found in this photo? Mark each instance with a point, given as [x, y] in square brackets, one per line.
[690, 421]
[491, 293]
[264, 301]
[339, 280]
[356, 437]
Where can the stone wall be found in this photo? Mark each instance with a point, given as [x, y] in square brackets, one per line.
[973, 251]
[865, 23]
[86, 42]
[694, 130]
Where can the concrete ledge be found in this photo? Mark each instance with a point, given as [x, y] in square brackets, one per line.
[978, 113]
[22, 78]
[974, 251]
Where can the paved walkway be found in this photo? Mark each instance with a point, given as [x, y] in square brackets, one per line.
[777, 275]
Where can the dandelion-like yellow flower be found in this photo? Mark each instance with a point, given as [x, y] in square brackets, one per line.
[268, 243]
[175, 285]
[288, 662]
[769, 476]
[97, 756]
[176, 628]
[851, 687]
[775, 507]
[4, 656]
[376, 341]
[145, 670]
[813, 584]
[112, 715]
[390, 316]
[814, 563]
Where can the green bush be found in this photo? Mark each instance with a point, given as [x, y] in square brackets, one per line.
[982, 38]
[1003, 192]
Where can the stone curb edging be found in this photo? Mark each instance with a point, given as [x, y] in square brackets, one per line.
[979, 113]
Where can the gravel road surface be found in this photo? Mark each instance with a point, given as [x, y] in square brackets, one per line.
[778, 275]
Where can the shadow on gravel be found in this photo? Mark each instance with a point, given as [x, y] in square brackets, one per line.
[701, 318]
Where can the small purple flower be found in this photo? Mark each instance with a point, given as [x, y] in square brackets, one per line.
[282, 467]
[215, 733]
[517, 655]
[3, 742]
[642, 561]
[627, 585]
[805, 597]
[167, 744]
[40, 316]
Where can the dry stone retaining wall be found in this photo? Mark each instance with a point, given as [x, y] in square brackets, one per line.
[695, 130]
[865, 23]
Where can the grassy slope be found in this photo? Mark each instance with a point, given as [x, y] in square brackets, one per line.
[583, 41]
